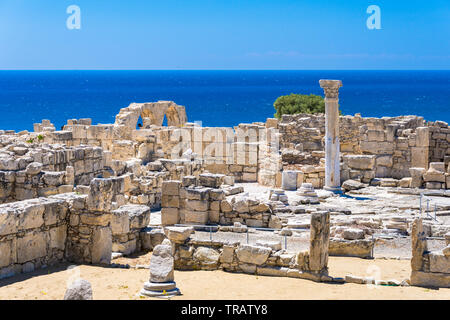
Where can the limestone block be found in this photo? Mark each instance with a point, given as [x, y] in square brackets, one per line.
[101, 246]
[213, 216]
[249, 177]
[31, 215]
[178, 234]
[405, 183]
[169, 216]
[361, 162]
[253, 254]
[272, 123]
[195, 194]
[419, 157]
[416, 175]
[351, 248]
[418, 244]
[241, 205]
[100, 195]
[170, 201]
[171, 187]
[196, 217]
[197, 205]
[31, 246]
[206, 257]
[95, 219]
[428, 279]
[384, 160]
[446, 251]
[247, 268]
[5, 254]
[58, 237]
[434, 176]
[439, 262]
[422, 136]
[162, 264]
[211, 180]
[289, 180]
[120, 223]
[274, 271]
[375, 135]
[226, 206]
[227, 255]
[79, 290]
[274, 245]
[434, 185]
[319, 240]
[125, 248]
[353, 234]
[189, 181]
[437, 166]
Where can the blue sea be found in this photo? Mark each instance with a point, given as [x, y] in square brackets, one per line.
[217, 98]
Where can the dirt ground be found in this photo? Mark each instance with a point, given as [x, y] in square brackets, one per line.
[121, 284]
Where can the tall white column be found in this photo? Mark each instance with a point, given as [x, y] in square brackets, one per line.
[332, 151]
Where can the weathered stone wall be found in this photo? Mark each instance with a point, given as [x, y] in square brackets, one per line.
[32, 234]
[231, 151]
[30, 170]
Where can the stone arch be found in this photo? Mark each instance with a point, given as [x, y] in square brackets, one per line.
[152, 114]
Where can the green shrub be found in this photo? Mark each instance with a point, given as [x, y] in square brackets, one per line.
[299, 103]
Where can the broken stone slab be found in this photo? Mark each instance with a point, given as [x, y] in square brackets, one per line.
[79, 290]
[355, 279]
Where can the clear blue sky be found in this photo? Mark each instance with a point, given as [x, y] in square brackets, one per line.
[225, 34]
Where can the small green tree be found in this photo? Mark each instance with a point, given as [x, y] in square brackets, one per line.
[299, 103]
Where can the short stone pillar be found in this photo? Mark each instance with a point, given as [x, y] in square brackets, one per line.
[319, 242]
[161, 283]
[332, 152]
[419, 245]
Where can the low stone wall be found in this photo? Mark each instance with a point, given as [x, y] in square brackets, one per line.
[429, 268]
[264, 258]
[127, 223]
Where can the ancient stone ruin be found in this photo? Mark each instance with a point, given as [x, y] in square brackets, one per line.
[88, 193]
